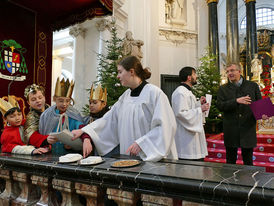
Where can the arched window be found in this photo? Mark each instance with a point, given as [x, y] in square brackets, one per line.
[264, 16]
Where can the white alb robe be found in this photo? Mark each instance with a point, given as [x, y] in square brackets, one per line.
[147, 120]
[190, 137]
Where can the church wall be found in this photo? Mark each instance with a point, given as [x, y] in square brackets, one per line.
[167, 46]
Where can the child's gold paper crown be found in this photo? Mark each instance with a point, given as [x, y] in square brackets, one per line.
[5, 106]
[98, 93]
[63, 88]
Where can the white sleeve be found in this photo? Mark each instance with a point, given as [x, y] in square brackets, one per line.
[159, 142]
[104, 131]
[25, 149]
[190, 119]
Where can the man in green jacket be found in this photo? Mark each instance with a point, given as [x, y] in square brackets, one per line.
[239, 123]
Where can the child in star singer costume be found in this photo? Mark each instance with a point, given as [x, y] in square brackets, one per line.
[98, 107]
[35, 96]
[13, 135]
[62, 116]
[97, 103]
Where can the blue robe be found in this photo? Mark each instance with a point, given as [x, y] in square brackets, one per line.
[49, 121]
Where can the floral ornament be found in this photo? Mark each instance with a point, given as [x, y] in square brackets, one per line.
[266, 91]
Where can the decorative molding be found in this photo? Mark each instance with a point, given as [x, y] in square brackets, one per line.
[212, 1]
[75, 31]
[104, 24]
[42, 59]
[177, 37]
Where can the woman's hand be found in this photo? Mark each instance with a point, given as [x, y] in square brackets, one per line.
[133, 149]
[51, 139]
[76, 134]
[87, 147]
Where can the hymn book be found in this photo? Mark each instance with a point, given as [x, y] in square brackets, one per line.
[65, 137]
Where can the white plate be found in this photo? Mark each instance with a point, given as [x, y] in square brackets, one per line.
[70, 158]
[92, 160]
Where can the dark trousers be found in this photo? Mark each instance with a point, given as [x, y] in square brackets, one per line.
[231, 155]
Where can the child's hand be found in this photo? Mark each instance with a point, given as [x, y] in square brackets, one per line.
[87, 147]
[40, 150]
[51, 139]
[67, 146]
[76, 133]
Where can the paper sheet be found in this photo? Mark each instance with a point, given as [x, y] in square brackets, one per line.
[65, 137]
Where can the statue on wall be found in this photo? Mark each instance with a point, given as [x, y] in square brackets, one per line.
[256, 68]
[131, 46]
[175, 12]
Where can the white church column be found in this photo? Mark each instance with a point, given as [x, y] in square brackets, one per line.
[78, 64]
[56, 67]
[84, 62]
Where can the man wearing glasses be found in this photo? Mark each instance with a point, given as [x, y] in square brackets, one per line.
[239, 124]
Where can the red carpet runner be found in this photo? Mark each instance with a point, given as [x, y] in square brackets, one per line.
[263, 155]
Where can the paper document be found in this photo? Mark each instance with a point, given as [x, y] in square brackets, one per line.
[65, 137]
[208, 100]
[262, 106]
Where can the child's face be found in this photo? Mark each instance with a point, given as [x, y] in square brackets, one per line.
[96, 106]
[37, 101]
[14, 119]
[62, 103]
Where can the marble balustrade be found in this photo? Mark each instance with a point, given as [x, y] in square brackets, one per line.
[37, 180]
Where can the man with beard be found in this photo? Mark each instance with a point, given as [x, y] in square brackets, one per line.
[190, 136]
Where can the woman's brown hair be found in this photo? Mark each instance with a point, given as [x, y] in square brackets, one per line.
[132, 62]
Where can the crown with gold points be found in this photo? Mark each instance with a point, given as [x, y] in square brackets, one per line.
[98, 93]
[64, 88]
[5, 106]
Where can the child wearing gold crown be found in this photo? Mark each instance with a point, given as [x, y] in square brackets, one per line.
[61, 116]
[12, 137]
[97, 103]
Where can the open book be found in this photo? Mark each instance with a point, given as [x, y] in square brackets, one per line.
[65, 137]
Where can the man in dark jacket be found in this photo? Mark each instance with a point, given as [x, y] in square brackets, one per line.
[239, 123]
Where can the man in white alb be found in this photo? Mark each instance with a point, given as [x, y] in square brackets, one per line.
[190, 137]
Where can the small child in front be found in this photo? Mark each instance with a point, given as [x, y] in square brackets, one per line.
[13, 134]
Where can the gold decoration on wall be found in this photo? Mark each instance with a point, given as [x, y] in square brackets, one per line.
[247, 1]
[212, 1]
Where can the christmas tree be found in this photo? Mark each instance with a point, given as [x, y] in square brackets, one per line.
[107, 69]
[208, 82]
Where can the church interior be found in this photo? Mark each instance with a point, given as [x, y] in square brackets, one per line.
[43, 42]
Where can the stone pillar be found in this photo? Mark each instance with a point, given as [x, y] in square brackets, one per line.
[251, 34]
[48, 196]
[29, 193]
[57, 68]
[79, 66]
[93, 194]
[213, 37]
[122, 198]
[67, 189]
[232, 31]
[11, 189]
